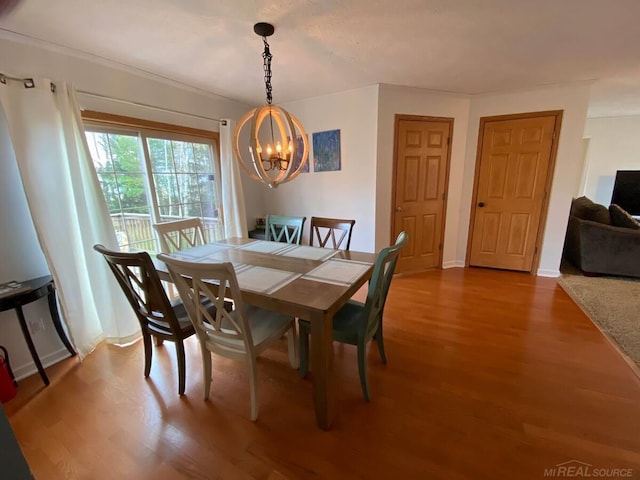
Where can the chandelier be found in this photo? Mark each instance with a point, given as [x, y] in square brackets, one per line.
[278, 146]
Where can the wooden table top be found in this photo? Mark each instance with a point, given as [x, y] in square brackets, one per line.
[294, 279]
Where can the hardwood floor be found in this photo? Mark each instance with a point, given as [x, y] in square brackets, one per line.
[491, 375]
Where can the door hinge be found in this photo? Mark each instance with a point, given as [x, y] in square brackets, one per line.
[448, 140]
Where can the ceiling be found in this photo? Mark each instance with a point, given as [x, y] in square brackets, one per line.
[326, 46]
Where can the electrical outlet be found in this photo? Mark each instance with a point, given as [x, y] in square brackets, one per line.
[36, 326]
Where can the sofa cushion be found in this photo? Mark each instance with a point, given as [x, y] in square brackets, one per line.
[621, 218]
[586, 209]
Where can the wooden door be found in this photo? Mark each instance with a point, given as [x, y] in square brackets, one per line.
[516, 157]
[421, 167]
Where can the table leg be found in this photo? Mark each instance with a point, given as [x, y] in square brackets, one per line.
[32, 348]
[53, 309]
[324, 392]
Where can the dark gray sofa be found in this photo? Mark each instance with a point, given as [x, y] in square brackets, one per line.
[596, 246]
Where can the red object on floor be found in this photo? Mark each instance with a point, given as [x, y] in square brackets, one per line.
[7, 382]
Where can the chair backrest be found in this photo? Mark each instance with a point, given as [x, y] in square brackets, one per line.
[180, 234]
[335, 229]
[226, 333]
[379, 285]
[281, 228]
[141, 284]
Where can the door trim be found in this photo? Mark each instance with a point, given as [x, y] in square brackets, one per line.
[545, 201]
[398, 117]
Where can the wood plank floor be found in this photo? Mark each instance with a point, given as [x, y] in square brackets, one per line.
[491, 375]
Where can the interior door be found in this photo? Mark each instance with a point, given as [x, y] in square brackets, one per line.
[421, 169]
[515, 160]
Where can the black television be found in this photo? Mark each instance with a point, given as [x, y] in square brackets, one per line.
[626, 191]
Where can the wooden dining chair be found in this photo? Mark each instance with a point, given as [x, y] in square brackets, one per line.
[356, 323]
[158, 317]
[179, 234]
[242, 334]
[282, 228]
[335, 229]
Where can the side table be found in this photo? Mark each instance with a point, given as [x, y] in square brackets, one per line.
[39, 287]
[258, 234]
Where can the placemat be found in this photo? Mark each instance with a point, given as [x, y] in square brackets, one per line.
[262, 279]
[201, 253]
[265, 246]
[338, 272]
[309, 253]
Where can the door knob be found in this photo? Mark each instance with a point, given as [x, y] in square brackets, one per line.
[398, 209]
[480, 204]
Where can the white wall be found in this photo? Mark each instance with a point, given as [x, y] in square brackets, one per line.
[349, 192]
[573, 100]
[22, 257]
[411, 101]
[614, 144]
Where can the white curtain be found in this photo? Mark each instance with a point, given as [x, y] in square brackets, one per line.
[235, 219]
[68, 210]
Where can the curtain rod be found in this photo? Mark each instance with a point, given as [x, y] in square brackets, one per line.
[130, 102]
[9, 77]
[4, 77]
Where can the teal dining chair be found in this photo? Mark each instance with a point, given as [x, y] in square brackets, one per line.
[282, 228]
[356, 323]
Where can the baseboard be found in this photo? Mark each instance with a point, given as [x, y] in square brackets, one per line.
[24, 371]
[548, 273]
[453, 264]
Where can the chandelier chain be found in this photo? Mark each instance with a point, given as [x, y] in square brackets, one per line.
[266, 56]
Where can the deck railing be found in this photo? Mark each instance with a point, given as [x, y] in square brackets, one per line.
[135, 231]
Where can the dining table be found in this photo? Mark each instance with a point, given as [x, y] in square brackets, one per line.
[306, 282]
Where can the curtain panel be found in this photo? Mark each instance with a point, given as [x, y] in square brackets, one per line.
[233, 206]
[68, 209]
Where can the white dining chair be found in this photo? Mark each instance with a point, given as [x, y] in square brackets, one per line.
[242, 334]
[180, 234]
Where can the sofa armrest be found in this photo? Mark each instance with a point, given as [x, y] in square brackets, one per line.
[608, 249]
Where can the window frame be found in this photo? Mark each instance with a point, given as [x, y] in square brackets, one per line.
[143, 129]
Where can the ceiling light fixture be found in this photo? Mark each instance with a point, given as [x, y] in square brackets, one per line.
[276, 138]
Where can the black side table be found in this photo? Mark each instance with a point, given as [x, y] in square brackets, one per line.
[258, 234]
[39, 287]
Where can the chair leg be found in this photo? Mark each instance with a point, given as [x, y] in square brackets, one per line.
[146, 340]
[181, 366]
[253, 388]
[362, 369]
[304, 351]
[380, 342]
[206, 368]
[292, 342]
[158, 341]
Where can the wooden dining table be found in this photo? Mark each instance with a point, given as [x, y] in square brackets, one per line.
[307, 282]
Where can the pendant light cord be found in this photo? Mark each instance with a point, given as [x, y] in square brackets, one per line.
[266, 56]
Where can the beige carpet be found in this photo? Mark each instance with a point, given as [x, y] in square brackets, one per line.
[612, 303]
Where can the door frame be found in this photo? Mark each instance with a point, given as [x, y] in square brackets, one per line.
[421, 118]
[547, 188]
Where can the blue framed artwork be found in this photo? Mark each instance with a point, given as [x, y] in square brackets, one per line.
[298, 158]
[326, 151]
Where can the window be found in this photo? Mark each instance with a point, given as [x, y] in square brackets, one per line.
[151, 173]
